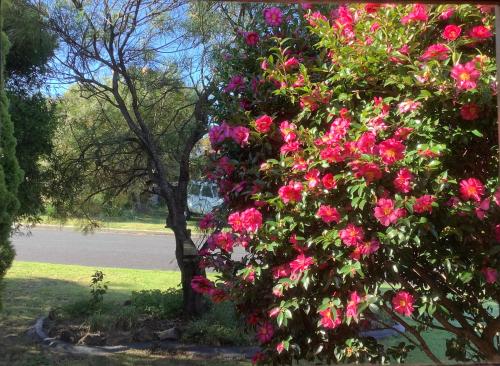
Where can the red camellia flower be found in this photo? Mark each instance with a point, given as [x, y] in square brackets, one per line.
[328, 320]
[490, 274]
[437, 51]
[234, 220]
[202, 285]
[291, 63]
[328, 214]
[312, 177]
[385, 212]
[369, 171]
[469, 111]
[251, 220]
[451, 32]
[417, 14]
[292, 192]
[391, 150]
[332, 154]
[251, 38]
[224, 241]
[240, 135]
[263, 123]
[480, 32]
[265, 332]
[329, 181]
[471, 189]
[273, 16]
[423, 204]
[465, 75]
[352, 235]
[366, 143]
[352, 305]
[301, 263]
[403, 181]
[402, 303]
[372, 7]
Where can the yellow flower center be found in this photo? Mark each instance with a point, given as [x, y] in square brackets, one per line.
[464, 76]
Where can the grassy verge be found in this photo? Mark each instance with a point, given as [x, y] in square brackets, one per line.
[32, 289]
[143, 222]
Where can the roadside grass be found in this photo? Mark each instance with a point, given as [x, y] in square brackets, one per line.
[135, 222]
[32, 289]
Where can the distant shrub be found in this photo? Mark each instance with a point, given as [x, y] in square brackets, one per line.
[157, 303]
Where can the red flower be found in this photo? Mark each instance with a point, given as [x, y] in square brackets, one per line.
[291, 63]
[452, 32]
[207, 221]
[328, 320]
[366, 143]
[352, 306]
[251, 38]
[240, 135]
[202, 285]
[265, 332]
[469, 111]
[465, 75]
[385, 212]
[424, 204]
[490, 274]
[263, 123]
[446, 14]
[329, 181]
[403, 181]
[301, 263]
[281, 271]
[328, 214]
[292, 192]
[402, 133]
[352, 235]
[224, 241]
[402, 303]
[471, 189]
[418, 13]
[280, 347]
[312, 178]
[234, 220]
[287, 130]
[251, 220]
[372, 7]
[273, 16]
[391, 150]
[437, 51]
[480, 32]
[332, 154]
[409, 105]
[369, 171]
[313, 17]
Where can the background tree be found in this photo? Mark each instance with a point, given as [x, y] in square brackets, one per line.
[32, 46]
[10, 174]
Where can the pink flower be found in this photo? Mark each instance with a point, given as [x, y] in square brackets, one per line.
[291, 63]
[287, 130]
[251, 38]
[207, 221]
[352, 235]
[402, 133]
[418, 13]
[273, 313]
[329, 181]
[202, 285]
[217, 134]
[408, 106]
[234, 220]
[289, 147]
[280, 347]
[469, 111]
[265, 332]
[273, 16]
[371, 8]
[366, 143]
[482, 209]
[314, 17]
[437, 51]
[224, 241]
[263, 123]
[292, 192]
[424, 204]
[391, 150]
[332, 154]
[330, 321]
[369, 171]
[301, 263]
[251, 220]
[446, 14]
[465, 75]
[480, 32]
[471, 189]
[281, 271]
[237, 82]
[451, 32]
[352, 306]
[328, 214]
[402, 303]
[385, 212]
[369, 247]
[240, 135]
[312, 177]
[403, 181]
[490, 274]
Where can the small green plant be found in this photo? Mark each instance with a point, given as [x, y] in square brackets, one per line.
[158, 304]
[98, 289]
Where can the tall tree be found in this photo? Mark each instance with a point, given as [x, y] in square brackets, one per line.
[112, 49]
[26, 71]
[10, 173]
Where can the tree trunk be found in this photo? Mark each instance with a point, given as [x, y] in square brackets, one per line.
[188, 260]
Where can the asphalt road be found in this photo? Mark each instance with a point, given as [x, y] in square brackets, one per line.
[100, 249]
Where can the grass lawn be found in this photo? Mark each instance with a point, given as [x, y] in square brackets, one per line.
[137, 222]
[31, 289]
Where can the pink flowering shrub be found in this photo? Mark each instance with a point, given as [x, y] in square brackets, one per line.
[357, 155]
